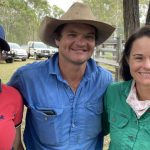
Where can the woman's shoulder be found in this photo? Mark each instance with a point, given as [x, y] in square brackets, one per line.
[117, 87]
[120, 85]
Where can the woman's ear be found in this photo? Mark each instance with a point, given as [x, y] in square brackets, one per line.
[127, 59]
[57, 42]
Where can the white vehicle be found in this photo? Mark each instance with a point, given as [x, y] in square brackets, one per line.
[53, 50]
[38, 50]
[18, 52]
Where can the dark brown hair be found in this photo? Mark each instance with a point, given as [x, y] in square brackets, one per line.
[124, 67]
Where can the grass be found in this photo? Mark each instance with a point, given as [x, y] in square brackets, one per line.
[6, 71]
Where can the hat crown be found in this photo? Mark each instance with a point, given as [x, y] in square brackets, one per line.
[78, 11]
[3, 44]
[2, 33]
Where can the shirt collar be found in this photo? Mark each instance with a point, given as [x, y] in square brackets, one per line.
[54, 69]
[139, 107]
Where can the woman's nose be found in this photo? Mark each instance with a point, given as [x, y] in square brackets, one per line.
[147, 64]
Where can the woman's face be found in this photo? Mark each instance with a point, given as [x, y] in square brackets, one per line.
[139, 61]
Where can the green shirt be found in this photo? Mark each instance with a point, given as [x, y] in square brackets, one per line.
[126, 131]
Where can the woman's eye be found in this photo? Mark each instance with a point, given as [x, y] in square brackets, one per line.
[71, 35]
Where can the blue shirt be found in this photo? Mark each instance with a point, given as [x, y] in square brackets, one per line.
[57, 118]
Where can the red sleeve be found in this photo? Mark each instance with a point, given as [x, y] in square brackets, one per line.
[19, 109]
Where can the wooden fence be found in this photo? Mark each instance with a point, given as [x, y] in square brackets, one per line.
[109, 53]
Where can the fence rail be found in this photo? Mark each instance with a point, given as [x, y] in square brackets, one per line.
[113, 47]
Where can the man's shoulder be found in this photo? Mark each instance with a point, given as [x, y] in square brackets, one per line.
[33, 66]
[102, 72]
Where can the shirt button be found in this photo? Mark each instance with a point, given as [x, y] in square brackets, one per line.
[131, 138]
[73, 125]
[45, 118]
[113, 119]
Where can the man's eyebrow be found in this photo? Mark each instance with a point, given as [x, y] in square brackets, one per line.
[88, 33]
[72, 30]
[91, 33]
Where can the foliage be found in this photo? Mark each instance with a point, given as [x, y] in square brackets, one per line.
[111, 11]
[21, 18]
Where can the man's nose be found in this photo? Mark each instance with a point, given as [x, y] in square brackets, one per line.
[81, 41]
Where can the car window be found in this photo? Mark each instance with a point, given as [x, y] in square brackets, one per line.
[40, 45]
[14, 46]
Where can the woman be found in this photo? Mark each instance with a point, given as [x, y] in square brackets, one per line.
[11, 108]
[127, 104]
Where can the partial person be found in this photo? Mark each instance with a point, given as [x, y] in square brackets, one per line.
[127, 103]
[64, 94]
[11, 109]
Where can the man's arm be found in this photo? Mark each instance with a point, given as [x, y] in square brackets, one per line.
[17, 143]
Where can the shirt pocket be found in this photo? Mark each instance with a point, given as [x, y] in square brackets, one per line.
[93, 119]
[48, 127]
[118, 122]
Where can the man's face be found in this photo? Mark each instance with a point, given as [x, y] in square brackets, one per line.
[76, 43]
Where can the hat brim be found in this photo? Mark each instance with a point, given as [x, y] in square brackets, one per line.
[4, 45]
[49, 25]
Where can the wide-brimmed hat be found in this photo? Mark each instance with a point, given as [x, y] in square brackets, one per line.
[77, 13]
[3, 44]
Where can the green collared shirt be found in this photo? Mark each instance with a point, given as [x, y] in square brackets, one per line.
[126, 131]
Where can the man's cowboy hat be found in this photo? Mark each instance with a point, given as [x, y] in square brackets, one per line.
[3, 44]
[77, 13]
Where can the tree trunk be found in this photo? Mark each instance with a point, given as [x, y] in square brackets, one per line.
[131, 16]
[148, 15]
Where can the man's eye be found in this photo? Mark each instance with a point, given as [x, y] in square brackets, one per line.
[91, 37]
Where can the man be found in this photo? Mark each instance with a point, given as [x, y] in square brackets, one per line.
[64, 94]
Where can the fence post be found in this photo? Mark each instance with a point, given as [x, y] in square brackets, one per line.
[119, 49]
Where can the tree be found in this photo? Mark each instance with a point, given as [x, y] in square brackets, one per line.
[124, 14]
[131, 16]
[21, 18]
[109, 11]
[148, 16]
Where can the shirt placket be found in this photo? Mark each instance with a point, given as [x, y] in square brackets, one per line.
[73, 98]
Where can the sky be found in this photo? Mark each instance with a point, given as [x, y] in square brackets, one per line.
[63, 4]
